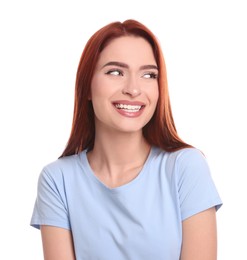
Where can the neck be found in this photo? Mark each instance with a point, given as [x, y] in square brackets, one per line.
[119, 152]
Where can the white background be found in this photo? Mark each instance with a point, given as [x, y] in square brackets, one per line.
[204, 43]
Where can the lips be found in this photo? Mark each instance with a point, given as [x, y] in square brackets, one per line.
[128, 108]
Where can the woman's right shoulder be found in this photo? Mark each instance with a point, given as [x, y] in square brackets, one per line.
[62, 166]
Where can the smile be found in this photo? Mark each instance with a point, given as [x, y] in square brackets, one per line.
[128, 108]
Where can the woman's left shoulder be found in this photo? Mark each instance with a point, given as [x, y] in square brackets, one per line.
[186, 161]
[188, 155]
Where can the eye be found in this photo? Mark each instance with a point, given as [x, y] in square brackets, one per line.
[114, 72]
[150, 75]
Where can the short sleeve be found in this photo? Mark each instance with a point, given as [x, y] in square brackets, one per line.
[50, 206]
[196, 188]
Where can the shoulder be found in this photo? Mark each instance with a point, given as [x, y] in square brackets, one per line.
[63, 162]
[190, 170]
[180, 157]
[189, 161]
[182, 163]
[188, 157]
[190, 179]
[62, 167]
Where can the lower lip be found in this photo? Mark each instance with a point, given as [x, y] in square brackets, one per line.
[129, 113]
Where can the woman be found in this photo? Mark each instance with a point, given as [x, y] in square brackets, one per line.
[126, 186]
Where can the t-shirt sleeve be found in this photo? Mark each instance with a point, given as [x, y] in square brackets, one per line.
[196, 188]
[50, 206]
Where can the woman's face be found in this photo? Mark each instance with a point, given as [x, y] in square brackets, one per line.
[124, 88]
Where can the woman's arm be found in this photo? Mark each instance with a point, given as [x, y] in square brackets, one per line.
[57, 243]
[200, 236]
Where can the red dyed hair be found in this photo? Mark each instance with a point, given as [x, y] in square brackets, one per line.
[160, 131]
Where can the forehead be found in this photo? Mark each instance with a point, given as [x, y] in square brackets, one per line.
[128, 49]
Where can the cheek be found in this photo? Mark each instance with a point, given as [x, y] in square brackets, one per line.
[154, 95]
[95, 92]
[154, 98]
[99, 87]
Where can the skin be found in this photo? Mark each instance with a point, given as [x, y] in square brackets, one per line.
[124, 74]
[57, 243]
[200, 236]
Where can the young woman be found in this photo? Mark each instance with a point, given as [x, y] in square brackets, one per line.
[126, 186]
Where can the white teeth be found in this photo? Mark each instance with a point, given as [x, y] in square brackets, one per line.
[133, 108]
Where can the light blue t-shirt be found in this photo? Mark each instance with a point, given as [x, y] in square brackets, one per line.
[141, 220]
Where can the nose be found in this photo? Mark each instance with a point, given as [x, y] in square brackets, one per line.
[131, 88]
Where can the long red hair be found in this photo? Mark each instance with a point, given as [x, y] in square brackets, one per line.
[160, 131]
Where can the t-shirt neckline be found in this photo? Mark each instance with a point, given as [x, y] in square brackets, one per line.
[92, 176]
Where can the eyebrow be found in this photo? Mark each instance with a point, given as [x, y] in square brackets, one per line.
[124, 65]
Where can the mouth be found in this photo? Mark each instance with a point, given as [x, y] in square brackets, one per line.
[128, 108]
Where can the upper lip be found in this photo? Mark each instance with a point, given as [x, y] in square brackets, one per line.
[128, 102]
